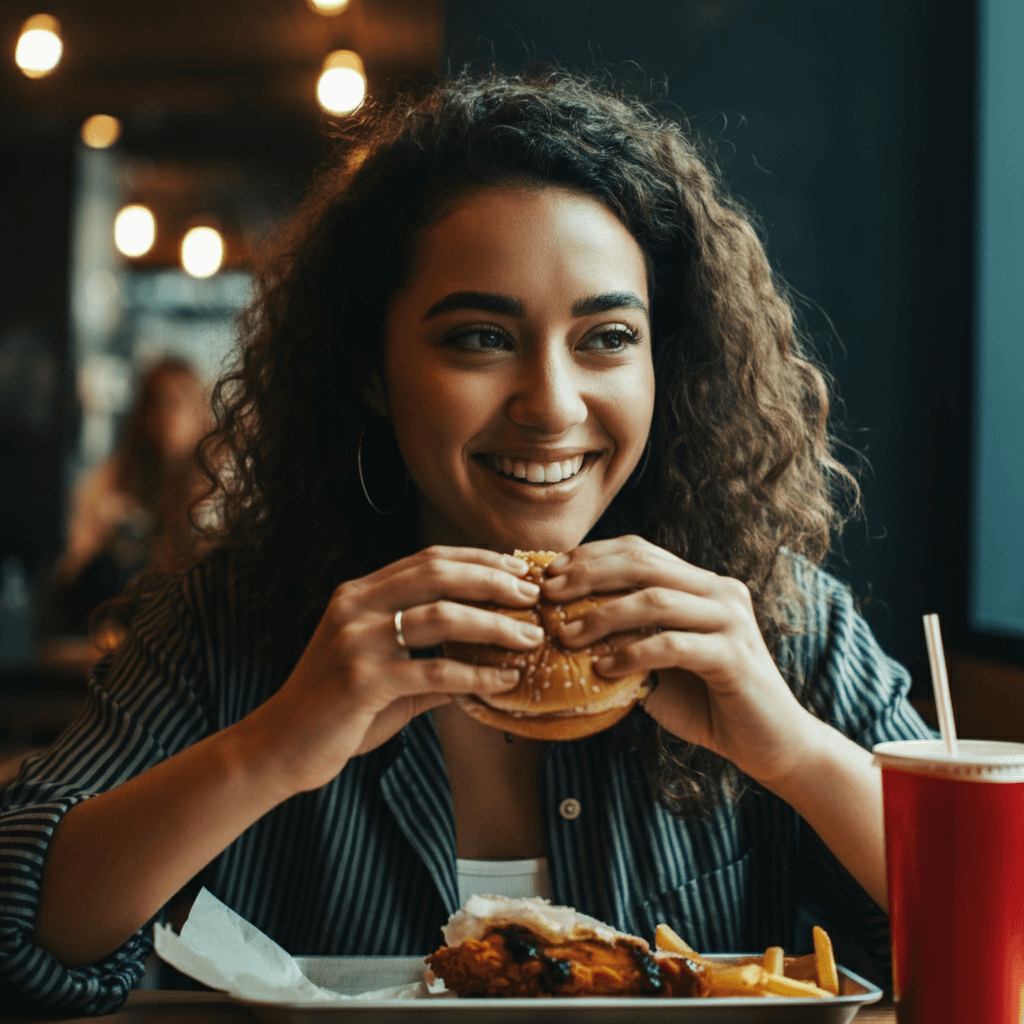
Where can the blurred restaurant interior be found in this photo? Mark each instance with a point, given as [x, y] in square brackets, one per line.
[142, 166]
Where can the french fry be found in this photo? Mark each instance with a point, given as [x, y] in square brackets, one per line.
[805, 968]
[754, 980]
[773, 974]
[665, 938]
[774, 960]
[779, 985]
[728, 980]
[828, 974]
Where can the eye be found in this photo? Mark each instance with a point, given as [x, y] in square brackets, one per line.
[479, 338]
[611, 339]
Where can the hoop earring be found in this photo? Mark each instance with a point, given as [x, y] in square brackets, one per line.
[362, 481]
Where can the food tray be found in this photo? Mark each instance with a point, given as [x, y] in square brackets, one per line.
[354, 974]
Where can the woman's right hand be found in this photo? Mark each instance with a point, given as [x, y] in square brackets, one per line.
[354, 686]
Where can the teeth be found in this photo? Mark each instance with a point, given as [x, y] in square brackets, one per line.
[535, 472]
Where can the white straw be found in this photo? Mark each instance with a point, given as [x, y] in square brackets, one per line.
[940, 683]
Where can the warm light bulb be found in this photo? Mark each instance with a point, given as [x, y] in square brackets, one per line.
[100, 131]
[39, 47]
[342, 85]
[202, 251]
[135, 230]
[328, 6]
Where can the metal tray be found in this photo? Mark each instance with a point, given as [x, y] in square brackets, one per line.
[355, 974]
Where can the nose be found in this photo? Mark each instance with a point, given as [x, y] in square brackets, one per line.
[549, 396]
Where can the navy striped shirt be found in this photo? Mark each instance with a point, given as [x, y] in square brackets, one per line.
[367, 864]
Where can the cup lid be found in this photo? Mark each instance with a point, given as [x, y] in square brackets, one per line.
[982, 760]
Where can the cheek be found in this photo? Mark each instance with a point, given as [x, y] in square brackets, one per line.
[634, 409]
[434, 417]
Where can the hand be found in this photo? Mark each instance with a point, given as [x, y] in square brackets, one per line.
[354, 686]
[718, 684]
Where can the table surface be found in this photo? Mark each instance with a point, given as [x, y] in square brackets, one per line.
[156, 1007]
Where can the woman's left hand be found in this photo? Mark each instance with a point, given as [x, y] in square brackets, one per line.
[718, 684]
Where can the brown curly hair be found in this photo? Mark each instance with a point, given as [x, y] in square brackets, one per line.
[740, 469]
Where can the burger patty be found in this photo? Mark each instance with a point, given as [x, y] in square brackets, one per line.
[513, 961]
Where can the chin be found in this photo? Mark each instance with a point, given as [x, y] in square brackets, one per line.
[559, 696]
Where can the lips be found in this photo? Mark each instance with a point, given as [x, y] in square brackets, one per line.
[535, 472]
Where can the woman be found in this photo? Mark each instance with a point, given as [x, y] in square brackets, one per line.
[132, 510]
[516, 314]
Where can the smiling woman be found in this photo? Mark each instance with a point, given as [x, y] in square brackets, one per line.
[519, 430]
[516, 314]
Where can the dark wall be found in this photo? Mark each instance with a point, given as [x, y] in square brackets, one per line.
[36, 392]
[848, 128]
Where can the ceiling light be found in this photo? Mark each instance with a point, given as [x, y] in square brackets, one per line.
[342, 85]
[202, 251]
[100, 131]
[328, 6]
[39, 47]
[135, 230]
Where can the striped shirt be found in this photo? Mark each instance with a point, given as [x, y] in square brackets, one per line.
[367, 864]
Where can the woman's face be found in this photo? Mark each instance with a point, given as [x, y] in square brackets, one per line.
[518, 368]
[175, 415]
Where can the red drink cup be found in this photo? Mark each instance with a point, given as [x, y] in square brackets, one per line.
[954, 842]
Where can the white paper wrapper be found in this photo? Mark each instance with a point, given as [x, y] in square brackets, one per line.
[224, 951]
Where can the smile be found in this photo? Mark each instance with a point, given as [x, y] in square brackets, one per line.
[535, 472]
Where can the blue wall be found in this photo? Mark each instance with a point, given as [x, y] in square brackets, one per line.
[998, 564]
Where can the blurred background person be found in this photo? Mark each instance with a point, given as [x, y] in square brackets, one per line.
[132, 511]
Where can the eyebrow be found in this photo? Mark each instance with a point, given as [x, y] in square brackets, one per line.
[607, 302]
[492, 302]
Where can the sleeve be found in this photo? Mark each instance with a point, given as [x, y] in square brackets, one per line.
[144, 704]
[851, 683]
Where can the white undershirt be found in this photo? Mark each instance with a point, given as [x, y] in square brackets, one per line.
[512, 878]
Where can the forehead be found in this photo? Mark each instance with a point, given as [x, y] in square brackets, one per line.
[521, 238]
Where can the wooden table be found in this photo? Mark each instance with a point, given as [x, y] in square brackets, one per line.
[155, 1007]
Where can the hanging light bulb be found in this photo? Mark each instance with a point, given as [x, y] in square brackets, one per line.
[202, 251]
[342, 85]
[100, 131]
[39, 46]
[135, 230]
[328, 6]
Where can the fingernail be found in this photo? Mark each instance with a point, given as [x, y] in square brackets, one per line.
[527, 589]
[509, 676]
[572, 629]
[557, 583]
[531, 632]
[516, 565]
[605, 664]
[559, 562]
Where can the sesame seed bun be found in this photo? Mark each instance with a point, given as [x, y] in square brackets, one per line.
[559, 696]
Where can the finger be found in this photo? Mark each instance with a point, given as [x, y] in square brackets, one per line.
[444, 676]
[428, 625]
[660, 607]
[475, 575]
[437, 577]
[708, 655]
[623, 563]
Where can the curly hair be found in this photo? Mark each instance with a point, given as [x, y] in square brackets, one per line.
[740, 471]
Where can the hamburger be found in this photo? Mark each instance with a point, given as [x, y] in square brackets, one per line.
[559, 696]
[500, 947]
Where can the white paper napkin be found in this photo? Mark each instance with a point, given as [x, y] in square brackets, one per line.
[224, 951]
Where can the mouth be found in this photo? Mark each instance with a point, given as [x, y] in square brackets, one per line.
[538, 473]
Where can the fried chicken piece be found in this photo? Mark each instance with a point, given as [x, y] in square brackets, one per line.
[513, 961]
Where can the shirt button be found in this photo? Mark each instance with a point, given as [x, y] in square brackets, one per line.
[569, 808]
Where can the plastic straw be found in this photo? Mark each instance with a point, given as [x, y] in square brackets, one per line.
[940, 683]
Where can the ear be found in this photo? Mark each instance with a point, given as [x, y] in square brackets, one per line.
[375, 394]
